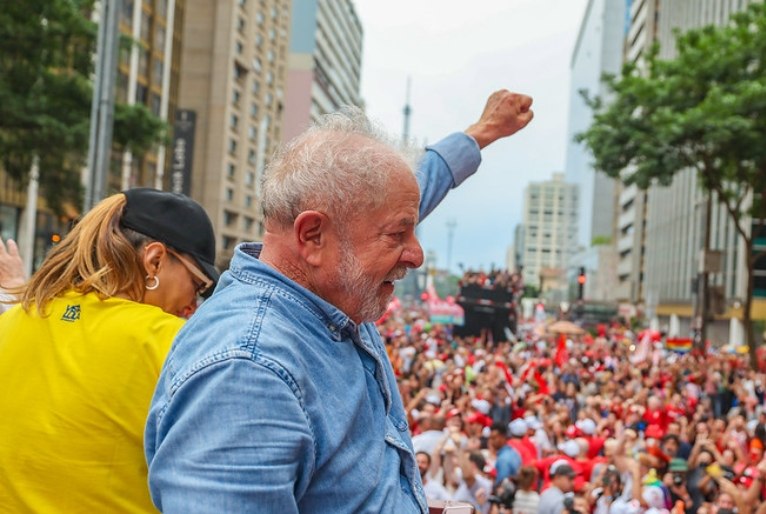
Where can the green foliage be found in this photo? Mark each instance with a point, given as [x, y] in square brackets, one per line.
[704, 109]
[531, 292]
[46, 63]
[137, 129]
[600, 241]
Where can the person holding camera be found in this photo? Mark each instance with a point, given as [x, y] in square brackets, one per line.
[675, 481]
[562, 482]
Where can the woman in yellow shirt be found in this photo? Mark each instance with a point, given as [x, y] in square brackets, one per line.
[81, 353]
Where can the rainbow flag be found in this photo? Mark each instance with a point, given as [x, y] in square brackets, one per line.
[679, 344]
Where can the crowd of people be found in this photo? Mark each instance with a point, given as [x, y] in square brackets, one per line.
[248, 411]
[612, 423]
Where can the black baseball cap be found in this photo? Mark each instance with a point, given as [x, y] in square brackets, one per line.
[173, 219]
[562, 468]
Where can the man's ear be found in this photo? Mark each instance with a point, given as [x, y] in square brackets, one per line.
[311, 229]
[153, 257]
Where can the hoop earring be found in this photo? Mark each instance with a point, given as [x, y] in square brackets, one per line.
[153, 286]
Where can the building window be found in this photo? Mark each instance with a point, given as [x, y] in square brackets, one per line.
[157, 73]
[241, 24]
[127, 11]
[258, 40]
[249, 178]
[229, 194]
[146, 25]
[238, 48]
[141, 94]
[248, 201]
[239, 72]
[234, 122]
[232, 146]
[256, 87]
[159, 37]
[252, 133]
[257, 65]
[228, 242]
[143, 62]
[231, 170]
[235, 96]
[229, 218]
[254, 110]
[259, 18]
[251, 156]
[156, 104]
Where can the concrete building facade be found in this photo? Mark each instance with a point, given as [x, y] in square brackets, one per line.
[233, 79]
[324, 62]
[598, 50]
[675, 215]
[550, 233]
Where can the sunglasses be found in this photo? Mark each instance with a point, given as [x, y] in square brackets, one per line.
[202, 283]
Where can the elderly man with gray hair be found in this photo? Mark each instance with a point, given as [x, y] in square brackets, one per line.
[278, 396]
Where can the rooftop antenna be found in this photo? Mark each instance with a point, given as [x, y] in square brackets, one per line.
[407, 111]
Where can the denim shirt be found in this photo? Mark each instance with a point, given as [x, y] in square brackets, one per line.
[274, 401]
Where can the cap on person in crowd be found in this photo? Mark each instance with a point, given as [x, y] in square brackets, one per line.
[433, 399]
[454, 412]
[571, 432]
[533, 423]
[678, 465]
[518, 427]
[173, 219]
[587, 426]
[570, 448]
[478, 417]
[562, 468]
[481, 406]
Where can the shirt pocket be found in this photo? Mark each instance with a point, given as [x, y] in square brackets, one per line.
[408, 480]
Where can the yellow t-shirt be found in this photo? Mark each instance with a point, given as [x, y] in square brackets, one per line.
[75, 389]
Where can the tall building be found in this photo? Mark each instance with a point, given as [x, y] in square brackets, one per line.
[598, 50]
[148, 73]
[324, 63]
[550, 234]
[233, 68]
[630, 219]
[675, 215]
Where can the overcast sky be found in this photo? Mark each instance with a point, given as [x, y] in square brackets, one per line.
[457, 53]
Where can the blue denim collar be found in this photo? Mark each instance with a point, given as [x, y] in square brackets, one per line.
[246, 266]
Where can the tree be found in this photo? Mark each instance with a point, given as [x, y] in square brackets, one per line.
[704, 109]
[46, 64]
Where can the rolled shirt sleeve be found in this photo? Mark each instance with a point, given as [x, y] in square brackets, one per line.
[446, 165]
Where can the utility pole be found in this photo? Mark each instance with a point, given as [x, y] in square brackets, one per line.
[102, 105]
[451, 224]
[407, 111]
[703, 287]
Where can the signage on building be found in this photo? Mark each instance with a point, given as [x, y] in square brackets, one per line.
[183, 151]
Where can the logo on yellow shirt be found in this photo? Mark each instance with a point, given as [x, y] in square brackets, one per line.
[72, 313]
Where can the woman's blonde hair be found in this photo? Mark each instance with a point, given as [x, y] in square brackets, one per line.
[98, 255]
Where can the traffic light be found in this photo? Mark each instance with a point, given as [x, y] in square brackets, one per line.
[580, 283]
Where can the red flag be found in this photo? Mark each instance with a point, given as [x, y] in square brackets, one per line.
[561, 355]
[500, 364]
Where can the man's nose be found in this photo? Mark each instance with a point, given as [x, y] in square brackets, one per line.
[412, 257]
